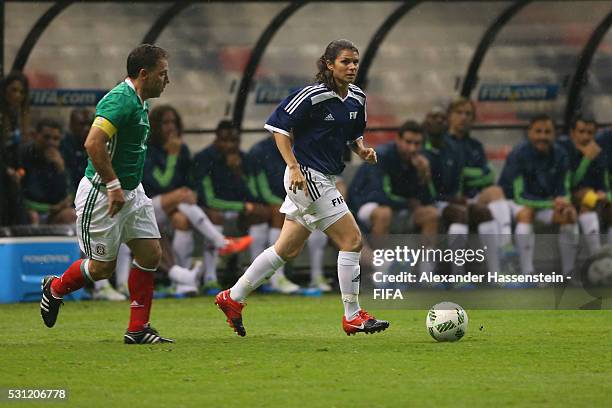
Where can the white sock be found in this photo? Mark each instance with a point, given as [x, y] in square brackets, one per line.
[259, 233]
[260, 269]
[501, 213]
[489, 237]
[211, 259]
[568, 246]
[124, 263]
[184, 276]
[182, 245]
[200, 221]
[457, 239]
[316, 249]
[590, 229]
[273, 234]
[525, 242]
[101, 284]
[349, 275]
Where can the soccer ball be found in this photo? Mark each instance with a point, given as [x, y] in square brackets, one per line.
[600, 271]
[447, 321]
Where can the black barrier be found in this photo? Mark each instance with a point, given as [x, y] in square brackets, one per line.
[379, 36]
[260, 47]
[471, 77]
[574, 101]
[35, 33]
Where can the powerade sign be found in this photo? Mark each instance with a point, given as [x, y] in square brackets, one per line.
[66, 97]
[517, 93]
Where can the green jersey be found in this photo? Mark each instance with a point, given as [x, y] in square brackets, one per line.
[128, 130]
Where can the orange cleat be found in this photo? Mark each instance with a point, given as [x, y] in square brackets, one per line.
[235, 245]
[232, 310]
[363, 323]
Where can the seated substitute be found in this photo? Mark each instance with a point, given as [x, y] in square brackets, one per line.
[167, 181]
[221, 174]
[397, 196]
[536, 176]
[72, 146]
[466, 198]
[604, 140]
[45, 180]
[268, 171]
[589, 184]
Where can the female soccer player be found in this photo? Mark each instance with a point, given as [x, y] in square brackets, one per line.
[311, 127]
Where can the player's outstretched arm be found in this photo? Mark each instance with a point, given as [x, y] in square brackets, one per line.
[95, 144]
[366, 153]
[298, 181]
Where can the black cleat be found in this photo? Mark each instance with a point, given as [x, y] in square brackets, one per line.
[363, 323]
[146, 336]
[49, 305]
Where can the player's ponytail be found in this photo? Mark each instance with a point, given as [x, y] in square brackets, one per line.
[333, 49]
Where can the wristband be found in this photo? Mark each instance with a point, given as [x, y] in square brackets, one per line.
[113, 185]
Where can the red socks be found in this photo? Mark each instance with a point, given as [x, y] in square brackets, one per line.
[73, 279]
[141, 285]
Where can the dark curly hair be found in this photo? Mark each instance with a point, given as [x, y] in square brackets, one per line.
[156, 118]
[23, 120]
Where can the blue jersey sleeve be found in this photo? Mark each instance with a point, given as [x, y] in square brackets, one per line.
[292, 111]
[562, 181]
[362, 118]
[201, 167]
[508, 174]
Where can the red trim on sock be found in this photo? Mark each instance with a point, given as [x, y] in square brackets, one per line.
[70, 281]
[140, 284]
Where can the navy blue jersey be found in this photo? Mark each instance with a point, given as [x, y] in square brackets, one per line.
[535, 179]
[42, 184]
[366, 187]
[400, 180]
[584, 172]
[476, 173]
[604, 140]
[75, 158]
[321, 123]
[445, 172]
[218, 186]
[268, 171]
[163, 172]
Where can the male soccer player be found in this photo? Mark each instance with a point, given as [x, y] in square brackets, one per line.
[464, 186]
[221, 174]
[45, 184]
[405, 186]
[111, 204]
[589, 183]
[398, 197]
[536, 177]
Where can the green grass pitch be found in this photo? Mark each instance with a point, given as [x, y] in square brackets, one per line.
[295, 354]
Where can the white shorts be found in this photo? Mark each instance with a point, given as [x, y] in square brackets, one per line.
[160, 214]
[543, 216]
[99, 235]
[323, 206]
